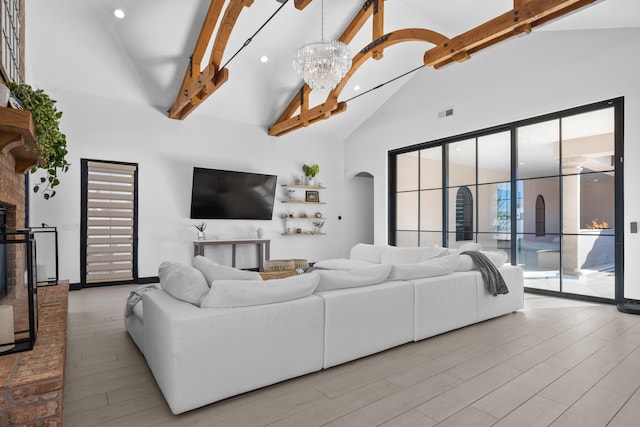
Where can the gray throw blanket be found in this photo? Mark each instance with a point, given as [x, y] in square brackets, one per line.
[493, 281]
[136, 295]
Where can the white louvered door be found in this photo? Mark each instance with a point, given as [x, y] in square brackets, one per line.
[110, 222]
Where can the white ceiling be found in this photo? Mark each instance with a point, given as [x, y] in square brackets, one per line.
[80, 46]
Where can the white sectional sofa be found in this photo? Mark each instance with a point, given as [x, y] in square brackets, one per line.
[205, 345]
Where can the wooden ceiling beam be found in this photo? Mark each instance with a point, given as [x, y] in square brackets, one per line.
[199, 85]
[525, 15]
[301, 4]
[347, 35]
[193, 69]
[378, 26]
[286, 123]
[321, 112]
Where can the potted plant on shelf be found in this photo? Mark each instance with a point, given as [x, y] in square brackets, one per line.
[317, 227]
[310, 173]
[51, 144]
[201, 227]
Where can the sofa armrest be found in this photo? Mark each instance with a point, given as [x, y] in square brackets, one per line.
[201, 355]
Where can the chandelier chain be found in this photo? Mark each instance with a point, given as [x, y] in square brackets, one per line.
[321, 19]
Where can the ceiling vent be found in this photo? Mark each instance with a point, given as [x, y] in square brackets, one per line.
[445, 113]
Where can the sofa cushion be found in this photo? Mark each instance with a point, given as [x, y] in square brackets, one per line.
[342, 264]
[395, 255]
[470, 246]
[498, 258]
[340, 279]
[243, 293]
[214, 271]
[183, 282]
[429, 268]
[367, 252]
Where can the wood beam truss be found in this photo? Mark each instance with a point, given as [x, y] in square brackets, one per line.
[525, 15]
[197, 85]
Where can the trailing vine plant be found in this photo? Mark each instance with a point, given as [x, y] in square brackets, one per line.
[51, 143]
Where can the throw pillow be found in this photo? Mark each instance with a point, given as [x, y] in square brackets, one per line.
[183, 282]
[367, 252]
[430, 268]
[342, 264]
[243, 293]
[214, 271]
[340, 279]
[497, 258]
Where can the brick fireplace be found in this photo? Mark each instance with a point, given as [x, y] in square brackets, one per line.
[31, 382]
[12, 202]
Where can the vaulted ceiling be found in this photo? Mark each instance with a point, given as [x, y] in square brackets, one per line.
[80, 46]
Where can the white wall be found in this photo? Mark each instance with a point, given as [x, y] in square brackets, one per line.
[524, 77]
[166, 151]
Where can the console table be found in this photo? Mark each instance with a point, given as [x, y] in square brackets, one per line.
[262, 244]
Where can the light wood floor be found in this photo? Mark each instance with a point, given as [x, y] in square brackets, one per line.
[557, 362]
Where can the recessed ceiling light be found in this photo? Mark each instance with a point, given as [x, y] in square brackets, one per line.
[458, 148]
[356, 87]
[264, 58]
[118, 13]
[521, 163]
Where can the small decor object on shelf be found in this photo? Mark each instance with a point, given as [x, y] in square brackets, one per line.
[310, 173]
[260, 232]
[312, 196]
[304, 214]
[299, 180]
[298, 230]
[15, 103]
[5, 94]
[318, 226]
[318, 214]
[201, 227]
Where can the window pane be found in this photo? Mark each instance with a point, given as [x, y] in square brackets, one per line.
[430, 239]
[549, 189]
[407, 238]
[538, 149]
[494, 157]
[431, 210]
[494, 209]
[407, 171]
[407, 211]
[431, 168]
[588, 263]
[588, 142]
[588, 202]
[462, 163]
[540, 259]
[453, 243]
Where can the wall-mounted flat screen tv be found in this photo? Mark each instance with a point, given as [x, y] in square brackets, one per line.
[223, 194]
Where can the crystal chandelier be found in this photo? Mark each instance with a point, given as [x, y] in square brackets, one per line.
[322, 64]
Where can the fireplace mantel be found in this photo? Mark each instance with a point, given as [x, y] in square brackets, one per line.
[17, 138]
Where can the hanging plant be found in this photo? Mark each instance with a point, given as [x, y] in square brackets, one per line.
[51, 144]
